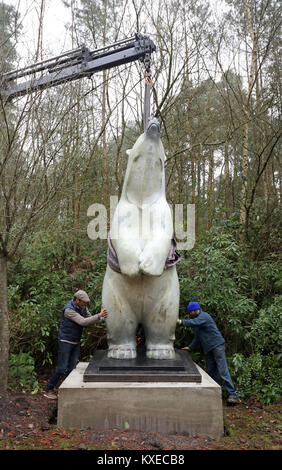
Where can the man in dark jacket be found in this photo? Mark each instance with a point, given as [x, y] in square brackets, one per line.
[209, 338]
[75, 316]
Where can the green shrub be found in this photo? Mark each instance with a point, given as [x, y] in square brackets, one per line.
[257, 375]
[22, 375]
[213, 275]
[266, 330]
[41, 287]
[240, 295]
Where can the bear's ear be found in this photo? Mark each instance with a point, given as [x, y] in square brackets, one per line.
[128, 151]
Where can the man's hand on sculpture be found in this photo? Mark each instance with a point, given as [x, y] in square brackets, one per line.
[103, 312]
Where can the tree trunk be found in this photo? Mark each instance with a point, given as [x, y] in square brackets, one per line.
[188, 89]
[75, 214]
[4, 325]
[227, 192]
[247, 114]
[198, 205]
[243, 203]
[210, 202]
[104, 111]
[104, 146]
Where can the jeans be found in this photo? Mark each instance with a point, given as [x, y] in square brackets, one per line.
[67, 361]
[218, 370]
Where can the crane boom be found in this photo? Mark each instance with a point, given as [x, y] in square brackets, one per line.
[75, 64]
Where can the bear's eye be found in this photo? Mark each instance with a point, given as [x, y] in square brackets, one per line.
[136, 158]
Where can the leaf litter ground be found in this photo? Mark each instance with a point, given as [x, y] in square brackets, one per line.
[29, 422]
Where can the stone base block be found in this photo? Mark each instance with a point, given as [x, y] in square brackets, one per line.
[167, 407]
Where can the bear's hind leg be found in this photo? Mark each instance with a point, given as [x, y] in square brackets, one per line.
[159, 339]
[121, 323]
[160, 316]
[121, 327]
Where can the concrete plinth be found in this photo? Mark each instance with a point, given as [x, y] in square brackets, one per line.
[166, 407]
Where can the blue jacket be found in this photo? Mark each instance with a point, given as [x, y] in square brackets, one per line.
[207, 335]
[68, 329]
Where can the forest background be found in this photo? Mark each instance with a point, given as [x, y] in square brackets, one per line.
[216, 92]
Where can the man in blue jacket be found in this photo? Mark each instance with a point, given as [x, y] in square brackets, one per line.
[209, 338]
[75, 315]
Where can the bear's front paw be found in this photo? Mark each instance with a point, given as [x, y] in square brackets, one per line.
[149, 265]
[130, 269]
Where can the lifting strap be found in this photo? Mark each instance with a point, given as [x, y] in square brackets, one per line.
[147, 99]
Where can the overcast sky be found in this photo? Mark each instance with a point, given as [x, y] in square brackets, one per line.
[56, 16]
[54, 31]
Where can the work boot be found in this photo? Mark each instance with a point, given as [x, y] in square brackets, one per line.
[50, 394]
[232, 401]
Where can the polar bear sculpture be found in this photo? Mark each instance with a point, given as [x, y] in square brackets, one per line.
[141, 282]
